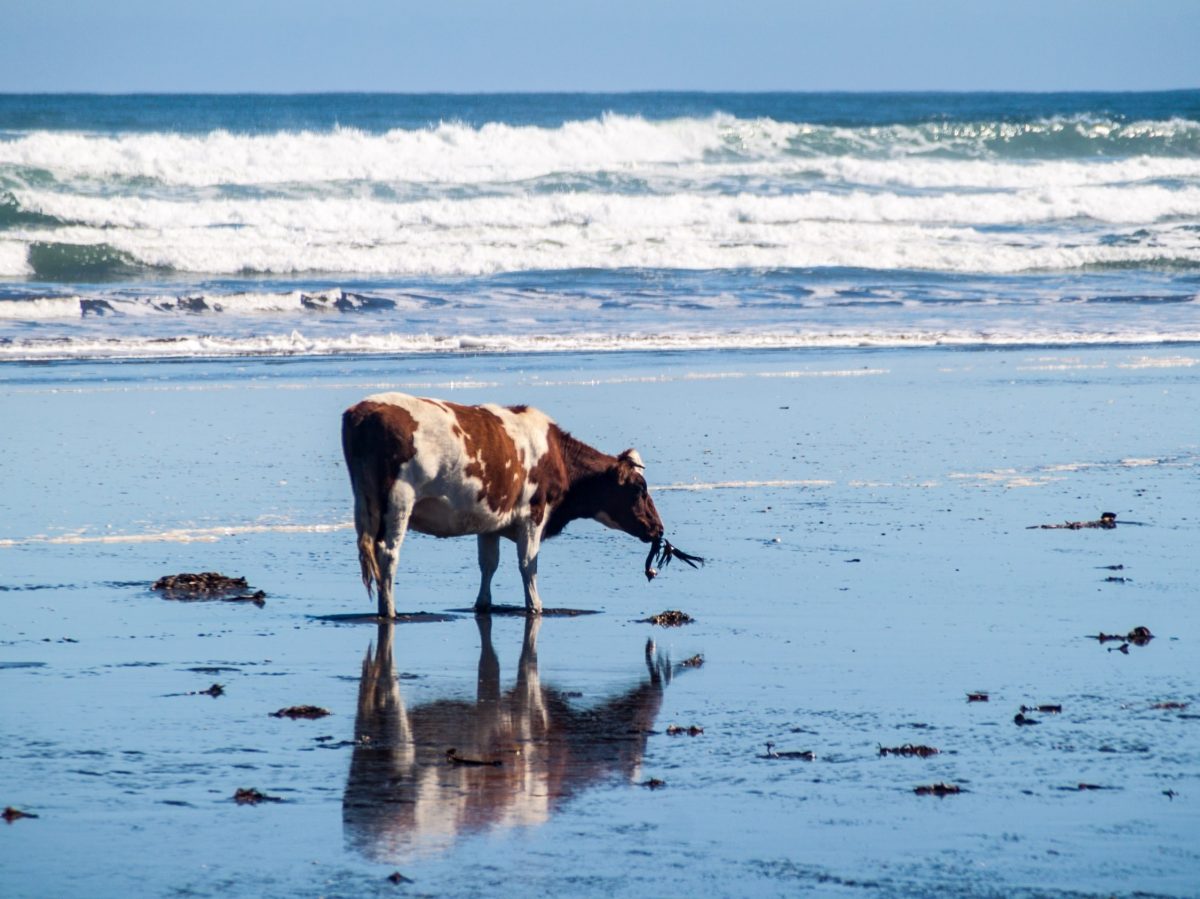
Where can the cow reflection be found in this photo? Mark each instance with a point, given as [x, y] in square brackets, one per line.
[406, 796]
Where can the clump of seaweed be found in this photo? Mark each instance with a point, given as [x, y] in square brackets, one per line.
[938, 789]
[669, 618]
[1106, 521]
[208, 585]
[310, 712]
[909, 749]
[1139, 636]
[252, 796]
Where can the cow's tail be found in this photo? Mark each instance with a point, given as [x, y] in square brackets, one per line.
[370, 501]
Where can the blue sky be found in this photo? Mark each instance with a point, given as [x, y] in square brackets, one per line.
[597, 45]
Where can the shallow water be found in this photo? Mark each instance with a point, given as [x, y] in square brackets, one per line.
[865, 515]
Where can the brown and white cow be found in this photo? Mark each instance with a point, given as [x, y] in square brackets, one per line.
[445, 469]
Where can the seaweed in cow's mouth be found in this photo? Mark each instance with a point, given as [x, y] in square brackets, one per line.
[660, 555]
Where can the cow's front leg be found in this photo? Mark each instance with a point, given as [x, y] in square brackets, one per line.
[489, 561]
[529, 541]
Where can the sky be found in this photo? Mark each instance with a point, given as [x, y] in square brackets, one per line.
[118, 46]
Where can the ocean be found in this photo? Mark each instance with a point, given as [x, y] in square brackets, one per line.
[165, 226]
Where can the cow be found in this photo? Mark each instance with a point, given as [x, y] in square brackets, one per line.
[448, 470]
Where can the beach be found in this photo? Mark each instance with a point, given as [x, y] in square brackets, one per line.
[868, 518]
[916, 374]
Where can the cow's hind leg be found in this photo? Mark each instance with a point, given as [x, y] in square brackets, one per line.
[529, 540]
[387, 547]
[489, 561]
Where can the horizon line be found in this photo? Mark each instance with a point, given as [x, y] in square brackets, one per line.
[597, 93]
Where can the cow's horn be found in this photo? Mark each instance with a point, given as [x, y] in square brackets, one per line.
[634, 458]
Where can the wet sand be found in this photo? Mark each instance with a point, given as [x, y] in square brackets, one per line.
[866, 518]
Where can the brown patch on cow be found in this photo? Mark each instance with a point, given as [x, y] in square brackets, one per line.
[436, 403]
[377, 438]
[488, 446]
[573, 480]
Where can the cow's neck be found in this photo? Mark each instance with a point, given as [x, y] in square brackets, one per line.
[585, 468]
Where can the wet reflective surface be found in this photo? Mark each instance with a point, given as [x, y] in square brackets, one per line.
[423, 776]
[865, 517]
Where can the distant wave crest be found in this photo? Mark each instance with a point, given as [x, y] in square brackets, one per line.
[452, 152]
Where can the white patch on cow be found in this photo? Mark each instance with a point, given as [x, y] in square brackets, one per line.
[448, 500]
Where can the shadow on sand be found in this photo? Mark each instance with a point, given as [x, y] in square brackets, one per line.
[420, 778]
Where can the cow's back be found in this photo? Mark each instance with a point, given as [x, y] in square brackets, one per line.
[469, 466]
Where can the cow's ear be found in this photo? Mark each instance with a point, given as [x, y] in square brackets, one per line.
[629, 463]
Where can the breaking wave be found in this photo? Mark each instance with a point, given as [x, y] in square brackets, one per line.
[451, 152]
[614, 191]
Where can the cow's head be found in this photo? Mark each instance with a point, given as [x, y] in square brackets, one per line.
[626, 504]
